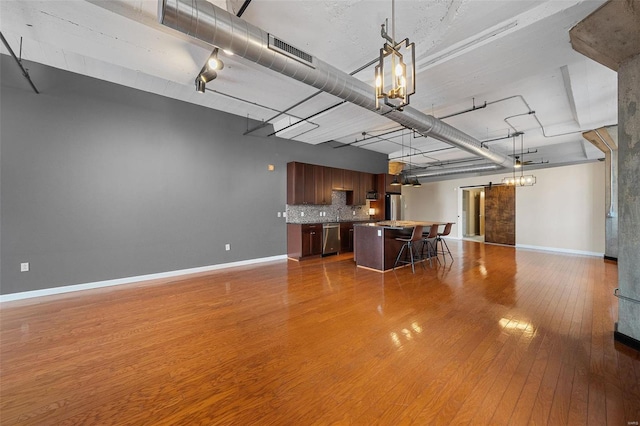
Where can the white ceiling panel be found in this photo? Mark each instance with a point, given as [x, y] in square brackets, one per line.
[513, 55]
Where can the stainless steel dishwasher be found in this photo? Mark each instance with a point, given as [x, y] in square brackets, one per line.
[330, 238]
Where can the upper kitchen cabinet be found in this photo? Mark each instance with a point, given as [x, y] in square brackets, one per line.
[312, 184]
[295, 183]
[323, 182]
[369, 182]
[342, 180]
[362, 183]
[308, 184]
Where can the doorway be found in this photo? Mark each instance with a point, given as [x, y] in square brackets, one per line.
[473, 215]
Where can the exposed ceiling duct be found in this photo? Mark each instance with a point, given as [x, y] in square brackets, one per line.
[458, 170]
[211, 24]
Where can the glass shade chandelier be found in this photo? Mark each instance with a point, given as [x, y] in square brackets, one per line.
[522, 180]
[395, 72]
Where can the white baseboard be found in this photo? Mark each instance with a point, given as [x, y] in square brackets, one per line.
[552, 249]
[129, 280]
[560, 250]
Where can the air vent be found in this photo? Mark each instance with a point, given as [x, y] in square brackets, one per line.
[290, 51]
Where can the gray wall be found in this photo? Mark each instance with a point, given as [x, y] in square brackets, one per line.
[100, 181]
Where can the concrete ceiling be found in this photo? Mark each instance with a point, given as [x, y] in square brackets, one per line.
[513, 55]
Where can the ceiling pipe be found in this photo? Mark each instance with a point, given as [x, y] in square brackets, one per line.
[211, 24]
[25, 73]
[611, 212]
[458, 170]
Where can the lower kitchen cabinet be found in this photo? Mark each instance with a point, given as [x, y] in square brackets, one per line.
[304, 240]
[346, 237]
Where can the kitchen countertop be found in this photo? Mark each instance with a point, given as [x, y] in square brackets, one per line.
[399, 224]
[330, 221]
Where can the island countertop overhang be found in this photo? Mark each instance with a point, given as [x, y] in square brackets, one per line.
[401, 224]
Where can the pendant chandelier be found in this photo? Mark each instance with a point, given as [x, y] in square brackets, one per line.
[395, 72]
[406, 176]
[522, 180]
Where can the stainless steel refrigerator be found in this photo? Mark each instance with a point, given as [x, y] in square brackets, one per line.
[392, 207]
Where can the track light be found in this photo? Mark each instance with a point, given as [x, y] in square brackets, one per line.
[215, 63]
[207, 75]
[203, 78]
[200, 85]
[208, 71]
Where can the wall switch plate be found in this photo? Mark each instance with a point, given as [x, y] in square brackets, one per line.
[379, 232]
[279, 214]
[227, 247]
[24, 267]
[354, 213]
[284, 214]
[301, 214]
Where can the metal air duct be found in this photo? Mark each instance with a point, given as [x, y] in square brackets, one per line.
[209, 23]
[458, 170]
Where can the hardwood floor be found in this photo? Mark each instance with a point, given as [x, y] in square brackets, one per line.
[500, 337]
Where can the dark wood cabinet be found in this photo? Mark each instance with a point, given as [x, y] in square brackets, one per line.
[370, 182]
[336, 178]
[295, 183]
[356, 197]
[311, 239]
[362, 183]
[312, 184]
[308, 184]
[342, 180]
[323, 183]
[304, 240]
[346, 237]
[348, 177]
[383, 187]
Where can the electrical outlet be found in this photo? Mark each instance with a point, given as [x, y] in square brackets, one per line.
[279, 214]
[284, 214]
[354, 213]
[301, 214]
[24, 267]
[227, 247]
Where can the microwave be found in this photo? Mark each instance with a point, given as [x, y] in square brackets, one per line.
[372, 195]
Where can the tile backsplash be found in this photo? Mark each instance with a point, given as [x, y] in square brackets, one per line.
[338, 211]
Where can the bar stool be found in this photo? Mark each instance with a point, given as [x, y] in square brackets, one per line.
[428, 240]
[409, 244]
[443, 243]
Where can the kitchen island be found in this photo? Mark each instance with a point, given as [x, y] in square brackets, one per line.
[375, 244]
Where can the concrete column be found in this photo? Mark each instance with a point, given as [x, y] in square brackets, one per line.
[610, 36]
[611, 220]
[606, 139]
[629, 197]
